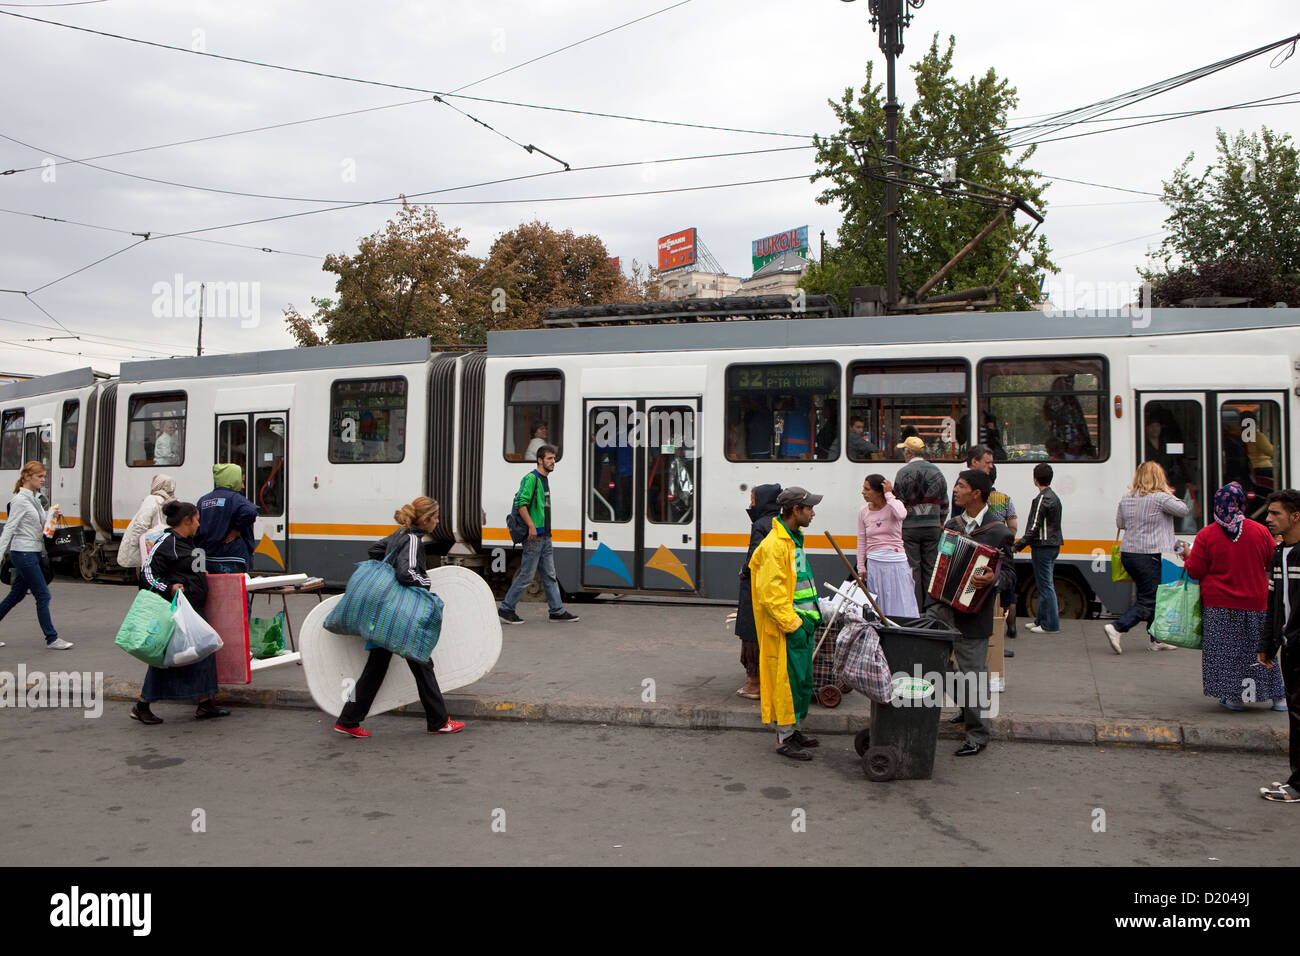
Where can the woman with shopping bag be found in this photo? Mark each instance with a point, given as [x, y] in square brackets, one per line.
[404, 550]
[170, 570]
[1231, 559]
[148, 517]
[1146, 516]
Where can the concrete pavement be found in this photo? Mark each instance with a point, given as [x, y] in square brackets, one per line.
[630, 662]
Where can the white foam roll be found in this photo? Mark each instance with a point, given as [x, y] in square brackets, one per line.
[468, 647]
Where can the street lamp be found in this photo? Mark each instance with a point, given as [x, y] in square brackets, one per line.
[891, 17]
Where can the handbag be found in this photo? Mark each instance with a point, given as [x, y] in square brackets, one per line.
[7, 569]
[1117, 572]
[378, 607]
[147, 628]
[1178, 614]
[193, 638]
[66, 542]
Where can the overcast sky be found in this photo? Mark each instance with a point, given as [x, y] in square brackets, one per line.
[758, 65]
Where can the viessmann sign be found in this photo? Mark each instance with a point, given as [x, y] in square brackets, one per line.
[764, 250]
[677, 250]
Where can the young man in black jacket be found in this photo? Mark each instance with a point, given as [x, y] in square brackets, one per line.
[1283, 627]
[1043, 538]
[971, 649]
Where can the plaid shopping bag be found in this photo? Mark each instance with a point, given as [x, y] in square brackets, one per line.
[378, 607]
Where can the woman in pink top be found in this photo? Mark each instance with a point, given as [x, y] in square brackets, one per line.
[882, 562]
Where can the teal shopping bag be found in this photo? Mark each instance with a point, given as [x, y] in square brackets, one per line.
[147, 628]
[1178, 614]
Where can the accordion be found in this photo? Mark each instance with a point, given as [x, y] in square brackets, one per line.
[958, 559]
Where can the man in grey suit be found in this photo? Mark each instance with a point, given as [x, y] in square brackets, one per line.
[971, 649]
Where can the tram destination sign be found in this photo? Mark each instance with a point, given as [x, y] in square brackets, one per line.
[776, 379]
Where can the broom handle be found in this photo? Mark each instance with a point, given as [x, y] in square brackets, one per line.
[861, 583]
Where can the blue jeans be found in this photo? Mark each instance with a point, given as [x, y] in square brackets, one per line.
[1043, 557]
[27, 577]
[1144, 569]
[536, 552]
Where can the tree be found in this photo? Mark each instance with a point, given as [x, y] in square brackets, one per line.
[409, 280]
[536, 268]
[948, 119]
[1234, 229]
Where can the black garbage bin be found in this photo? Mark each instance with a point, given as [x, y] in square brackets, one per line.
[900, 743]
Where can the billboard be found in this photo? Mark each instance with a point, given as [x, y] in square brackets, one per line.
[677, 250]
[764, 250]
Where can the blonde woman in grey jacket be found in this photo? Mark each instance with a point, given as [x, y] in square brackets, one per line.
[24, 541]
[148, 517]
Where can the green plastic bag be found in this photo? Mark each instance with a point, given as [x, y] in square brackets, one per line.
[147, 628]
[266, 637]
[1117, 572]
[1178, 614]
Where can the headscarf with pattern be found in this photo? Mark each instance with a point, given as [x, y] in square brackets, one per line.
[1230, 509]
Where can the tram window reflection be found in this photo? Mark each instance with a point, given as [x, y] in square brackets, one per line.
[1252, 439]
[68, 434]
[613, 457]
[890, 402]
[367, 421]
[11, 445]
[1172, 437]
[1047, 409]
[155, 434]
[534, 407]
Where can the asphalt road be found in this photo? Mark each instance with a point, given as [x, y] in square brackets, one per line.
[279, 787]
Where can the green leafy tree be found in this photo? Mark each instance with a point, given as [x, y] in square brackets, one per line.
[1234, 229]
[947, 119]
[410, 279]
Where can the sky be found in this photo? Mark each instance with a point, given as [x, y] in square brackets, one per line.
[758, 66]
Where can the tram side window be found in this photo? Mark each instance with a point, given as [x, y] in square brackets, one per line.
[368, 421]
[534, 414]
[890, 402]
[786, 412]
[1045, 409]
[1172, 433]
[11, 442]
[155, 430]
[68, 434]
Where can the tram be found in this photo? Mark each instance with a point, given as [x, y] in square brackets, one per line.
[663, 428]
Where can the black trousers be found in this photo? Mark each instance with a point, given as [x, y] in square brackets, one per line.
[372, 677]
[1290, 664]
[922, 548]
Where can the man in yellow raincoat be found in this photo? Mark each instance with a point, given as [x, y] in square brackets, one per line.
[785, 617]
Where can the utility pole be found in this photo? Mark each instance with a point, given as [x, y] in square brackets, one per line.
[890, 17]
[202, 297]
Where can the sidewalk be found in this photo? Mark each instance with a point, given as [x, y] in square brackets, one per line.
[656, 665]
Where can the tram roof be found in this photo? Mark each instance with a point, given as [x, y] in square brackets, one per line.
[44, 385]
[882, 330]
[396, 352]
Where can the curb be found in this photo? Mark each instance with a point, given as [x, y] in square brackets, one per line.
[1049, 730]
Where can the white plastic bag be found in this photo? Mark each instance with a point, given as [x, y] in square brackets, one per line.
[193, 639]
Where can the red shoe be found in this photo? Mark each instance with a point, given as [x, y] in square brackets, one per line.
[351, 731]
[450, 727]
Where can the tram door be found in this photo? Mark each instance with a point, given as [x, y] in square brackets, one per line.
[265, 466]
[641, 502]
[1205, 440]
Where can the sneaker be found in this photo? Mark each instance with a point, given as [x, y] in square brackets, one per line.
[58, 644]
[351, 731]
[509, 617]
[450, 727]
[1279, 705]
[1161, 646]
[1034, 629]
[1113, 636]
[1231, 705]
[564, 617]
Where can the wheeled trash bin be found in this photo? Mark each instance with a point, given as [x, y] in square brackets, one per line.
[900, 743]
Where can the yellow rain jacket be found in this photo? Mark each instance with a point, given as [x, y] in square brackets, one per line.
[784, 637]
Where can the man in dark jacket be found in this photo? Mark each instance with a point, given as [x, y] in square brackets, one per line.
[1283, 627]
[762, 509]
[921, 487]
[971, 649]
[1043, 538]
[226, 521]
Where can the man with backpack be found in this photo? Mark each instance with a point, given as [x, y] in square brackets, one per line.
[533, 505]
